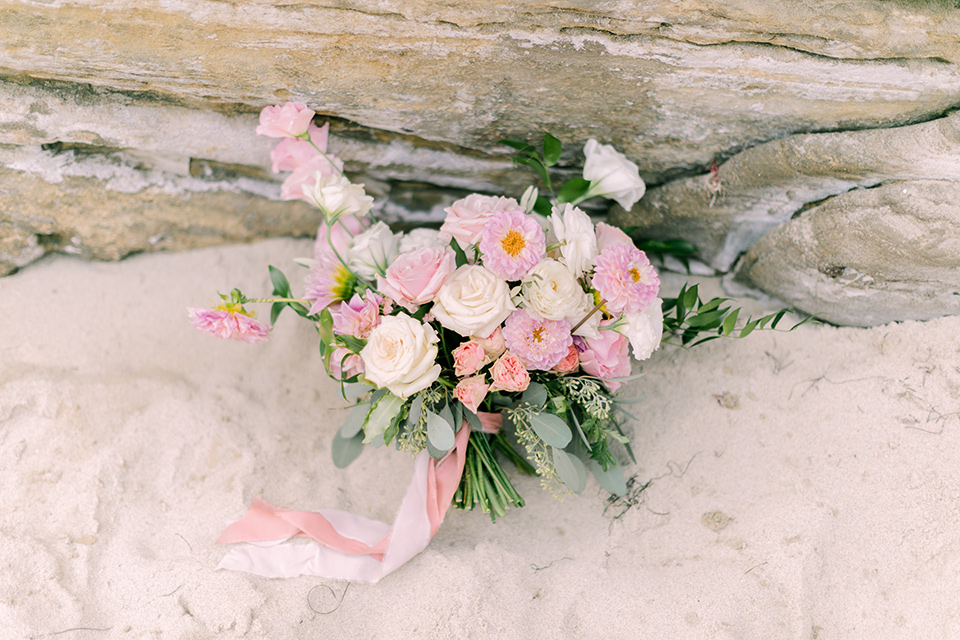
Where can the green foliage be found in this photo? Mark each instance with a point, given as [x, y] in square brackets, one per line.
[528, 156]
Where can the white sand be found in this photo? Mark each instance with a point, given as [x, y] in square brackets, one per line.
[818, 498]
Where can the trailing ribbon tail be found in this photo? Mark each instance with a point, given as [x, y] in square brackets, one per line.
[347, 546]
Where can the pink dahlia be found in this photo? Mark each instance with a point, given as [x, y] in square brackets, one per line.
[625, 279]
[329, 281]
[512, 243]
[230, 322]
[538, 342]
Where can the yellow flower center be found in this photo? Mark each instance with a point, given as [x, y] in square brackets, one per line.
[635, 274]
[513, 243]
[538, 334]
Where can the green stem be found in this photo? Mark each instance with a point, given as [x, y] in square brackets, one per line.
[325, 156]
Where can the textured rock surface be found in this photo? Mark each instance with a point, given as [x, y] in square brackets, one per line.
[868, 256]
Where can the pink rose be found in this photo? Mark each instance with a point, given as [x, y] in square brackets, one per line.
[290, 120]
[466, 217]
[341, 236]
[608, 235]
[494, 344]
[293, 153]
[358, 316]
[569, 364]
[414, 278]
[351, 366]
[509, 374]
[471, 392]
[468, 358]
[607, 357]
[301, 184]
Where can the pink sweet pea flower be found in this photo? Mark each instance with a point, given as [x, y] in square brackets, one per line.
[512, 243]
[607, 357]
[302, 183]
[292, 153]
[290, 120]
[358, 316]
[539, 343]
[468, 358]
[509, 374]
[625, 279]
[466, 217]
[414, 278]
[569, 364]
[229, 321]
[471, 392]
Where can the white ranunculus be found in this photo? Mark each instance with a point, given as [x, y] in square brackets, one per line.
[612, 175]
[551, 291]
[644, 330]
[372, 251]
[472, 302]
[574, 231]
[401, 355]
[420, 239]
[337, 196]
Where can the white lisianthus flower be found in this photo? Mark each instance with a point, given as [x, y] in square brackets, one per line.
[401, 355]
[574, 230]
[552, 292]
[337, 196]
[472, 302]
[372, 251]
[421, 239]
[644, 330]
[610, 174]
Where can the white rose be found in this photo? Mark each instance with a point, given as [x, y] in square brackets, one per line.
[372, 251]
[336, 196]
[644, 330]
[574, 230]
[400, 355]
[472, 302]
[420, 239]
[611, 174]
[552, 292]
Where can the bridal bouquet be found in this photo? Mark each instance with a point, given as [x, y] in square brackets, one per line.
[501, 337]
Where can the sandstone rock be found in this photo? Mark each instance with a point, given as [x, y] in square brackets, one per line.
[753, 192]
[866, 257]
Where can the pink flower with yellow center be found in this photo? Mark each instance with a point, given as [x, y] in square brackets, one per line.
[229, 321]
[625, 279]
[329, 281]
[539, 343]
[512, 243]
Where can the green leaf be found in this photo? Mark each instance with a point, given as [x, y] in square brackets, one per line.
[690, 297]
[535, 395]
[570, 470]
[710, 306]
[461, 257]
[275, 310]
[706, 319]
[325, 327]
[748, 329]
[416, 407]
[520, 146]
[439, 432]
[352, 343]
[551, 429]
[281, 286]
[384, 410]
[730, 322]
[346, 450]
[537, 166]
[572, 189]
[353, 424]
[472, 419]
[551, 150]
[543, 206]
[611, 479]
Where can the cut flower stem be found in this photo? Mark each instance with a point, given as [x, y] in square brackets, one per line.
[484, 483]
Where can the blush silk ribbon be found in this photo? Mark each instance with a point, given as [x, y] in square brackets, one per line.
[344, 545]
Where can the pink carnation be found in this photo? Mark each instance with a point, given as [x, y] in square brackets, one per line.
[414, 278]
[607, 357]
[466, 217]
[229, 322]
[290, 120]
[509, 374]
[292, 153]
[358, 316]
[625, 279]
[512, 243]
[471, 392]
[569, 364]
[468, 358]
[538, 342]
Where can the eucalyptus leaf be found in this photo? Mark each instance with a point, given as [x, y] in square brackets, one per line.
[435, 453]
[535, 395]
[472, 419]
[551, 429]
[439, 433]
[354, 390]
[353, 424]
[570, 470]
[416, 407]
[346, 450]
[384, 410]
[611, 479]
[447, 414]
